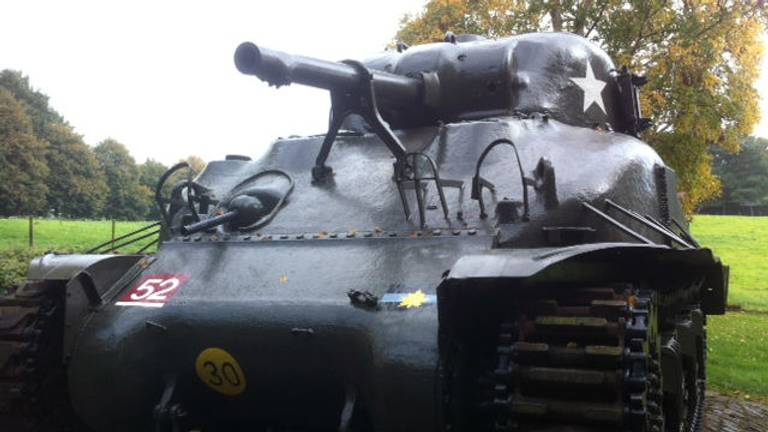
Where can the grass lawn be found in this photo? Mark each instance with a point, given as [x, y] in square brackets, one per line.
[738, 354]
[63, 235]
[742, 243]
[738, 341]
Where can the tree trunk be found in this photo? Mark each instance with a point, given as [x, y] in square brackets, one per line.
[556, 15]
[580, 21]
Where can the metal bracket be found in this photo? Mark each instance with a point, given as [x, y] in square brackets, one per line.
[632, 121]
[110, 246]
[650, 222]
[410, 176]
[616, 224]
[478, 182]
[169, 414]
[162, 201]
[350, 399]
[361, 101]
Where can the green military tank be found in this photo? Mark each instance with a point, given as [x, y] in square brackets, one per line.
[480, 242]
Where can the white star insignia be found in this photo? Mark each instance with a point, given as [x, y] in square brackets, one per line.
[592, 88]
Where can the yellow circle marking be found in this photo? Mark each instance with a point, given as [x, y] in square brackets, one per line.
[220, 371]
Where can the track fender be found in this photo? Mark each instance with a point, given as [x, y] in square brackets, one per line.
[62, 267]
[87, 288]
[594, 263]
[86, 279]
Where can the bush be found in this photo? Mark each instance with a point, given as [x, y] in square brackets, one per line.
[14, 264]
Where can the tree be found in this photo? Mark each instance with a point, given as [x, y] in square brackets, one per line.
[34, 101]
[701, 58]
[76, 185]
[196, 162]
[127, 198]
[152, 170]
[744, 175]
[22, 161]
[149, 174]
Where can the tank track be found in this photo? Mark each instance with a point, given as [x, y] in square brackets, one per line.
[583, 360]
[697, 423]
[693, 385]
[32, 378]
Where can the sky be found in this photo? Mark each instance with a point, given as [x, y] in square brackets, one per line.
[159, 77]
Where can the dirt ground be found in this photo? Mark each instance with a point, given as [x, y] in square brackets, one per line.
[725, 414]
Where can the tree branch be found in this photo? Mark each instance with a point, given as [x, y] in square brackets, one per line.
[598, 18]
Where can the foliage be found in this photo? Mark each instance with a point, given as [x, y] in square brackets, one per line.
[34, 101]
[23, 169]
[76, 184]
[149, 174]
[196, 162]
[744, 175]
[56, 171]
[742, 243]
[701, 58]
[14, 264]
[127, 199]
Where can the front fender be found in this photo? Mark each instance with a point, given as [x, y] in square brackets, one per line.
[62, 267]
[594, 263]
[88, 286]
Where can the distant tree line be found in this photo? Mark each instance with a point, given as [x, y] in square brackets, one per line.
[744, 175]
[47, 169]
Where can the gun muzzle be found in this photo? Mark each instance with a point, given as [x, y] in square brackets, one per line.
[279, 68]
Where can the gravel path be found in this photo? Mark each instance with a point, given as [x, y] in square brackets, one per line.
[725, 414]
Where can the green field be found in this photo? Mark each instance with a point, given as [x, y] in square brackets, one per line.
[54, 235]
[738, 354]
[742, 243]
[64, 235]
[738, 342]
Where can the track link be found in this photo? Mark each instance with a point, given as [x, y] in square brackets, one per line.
[581, 360]
[32, 379]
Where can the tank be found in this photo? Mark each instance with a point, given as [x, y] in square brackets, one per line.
[480, 242]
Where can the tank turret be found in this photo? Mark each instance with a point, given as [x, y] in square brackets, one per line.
[560, 74]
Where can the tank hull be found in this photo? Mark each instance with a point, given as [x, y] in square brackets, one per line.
[289, 324]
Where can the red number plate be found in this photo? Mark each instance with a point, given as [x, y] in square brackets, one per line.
[153, 290]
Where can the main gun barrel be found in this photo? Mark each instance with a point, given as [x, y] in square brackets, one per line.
[279, 68]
